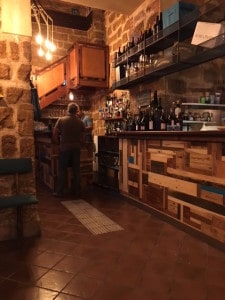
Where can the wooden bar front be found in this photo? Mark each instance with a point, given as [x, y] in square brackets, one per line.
[180, 175]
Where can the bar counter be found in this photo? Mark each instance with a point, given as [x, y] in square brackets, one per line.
[47, 161]
[177, 174]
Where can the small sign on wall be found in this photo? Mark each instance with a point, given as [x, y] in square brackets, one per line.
[205, 31]
[143, 98]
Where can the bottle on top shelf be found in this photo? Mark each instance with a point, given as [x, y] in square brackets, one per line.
[150, 118]
[119, 52]
[157, 116]
[155, 102]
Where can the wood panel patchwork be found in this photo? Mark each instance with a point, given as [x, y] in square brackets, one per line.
[173, 183]
[201, 161]
[158, 167]
[153, 196]
[133, 191]
[182, 179]
[172, 207]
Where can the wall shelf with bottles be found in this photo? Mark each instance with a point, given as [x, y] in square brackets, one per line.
[182, 56]
[165, 38]
[198, 122]
[206, 105]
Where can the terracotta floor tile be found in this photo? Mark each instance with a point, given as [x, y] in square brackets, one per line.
[188, 290]
[112, 291]
[217, 291]
[54, 280]
[190, 272]
[71, 264]
[47, 259]
[11, 290]
[83, 286]
[28, 274]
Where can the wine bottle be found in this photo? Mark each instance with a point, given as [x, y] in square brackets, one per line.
[177, 109]
[163, 121]
[160, 23]
[154, 103]
[132, 44]
[119, 52]
[156, 28]
[150, 119]
[158, 116]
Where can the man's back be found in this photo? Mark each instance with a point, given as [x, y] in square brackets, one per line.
[70, 130]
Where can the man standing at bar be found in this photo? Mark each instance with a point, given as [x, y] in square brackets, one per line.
[69, 133]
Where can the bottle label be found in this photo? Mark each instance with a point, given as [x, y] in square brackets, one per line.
[163, 126]
[150, 125]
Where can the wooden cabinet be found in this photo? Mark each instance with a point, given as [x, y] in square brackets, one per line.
[108, 161]
[87, 65]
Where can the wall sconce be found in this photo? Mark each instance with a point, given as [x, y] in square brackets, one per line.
[45, 46]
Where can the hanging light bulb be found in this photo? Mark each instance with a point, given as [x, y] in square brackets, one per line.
[41, 16]
[40, 52]
[48, 55]
[39, 38]
[47, 44]
[52, 47]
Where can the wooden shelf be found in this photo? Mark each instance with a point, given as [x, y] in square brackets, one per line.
[206, 105]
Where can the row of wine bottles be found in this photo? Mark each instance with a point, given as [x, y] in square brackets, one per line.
[157, 118]
[149, 32]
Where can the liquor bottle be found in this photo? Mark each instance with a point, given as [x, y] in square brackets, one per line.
[142, 121]
[133, 125]
[171, 119]
[132, 43]
[137, 124]
[119, 52]
[146, 120]
[158, 116]
[163, 120]
[177, 109]
[149, 32]
[155, 102]
[156, 28]
[160, 23]
[150, 119]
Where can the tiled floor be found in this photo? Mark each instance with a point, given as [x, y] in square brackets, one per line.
[148, 260]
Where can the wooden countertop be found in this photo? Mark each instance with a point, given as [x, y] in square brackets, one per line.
[207, 136]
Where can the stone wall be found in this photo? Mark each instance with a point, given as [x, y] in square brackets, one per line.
[16, 124]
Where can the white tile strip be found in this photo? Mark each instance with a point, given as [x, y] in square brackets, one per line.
[95, 221]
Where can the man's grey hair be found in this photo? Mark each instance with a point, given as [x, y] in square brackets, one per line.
[72, 108]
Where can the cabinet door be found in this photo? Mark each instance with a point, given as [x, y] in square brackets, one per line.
[72, 67]
[92, 62]
[87, 65]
